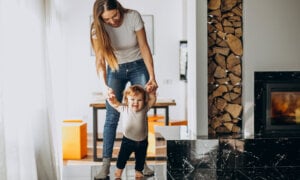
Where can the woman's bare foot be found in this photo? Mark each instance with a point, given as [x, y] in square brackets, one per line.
[138, 174]
[118, 173]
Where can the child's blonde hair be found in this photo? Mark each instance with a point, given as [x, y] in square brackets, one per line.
[133, 91]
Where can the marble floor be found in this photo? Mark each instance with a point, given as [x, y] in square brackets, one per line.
[234, 159]
[219, 158]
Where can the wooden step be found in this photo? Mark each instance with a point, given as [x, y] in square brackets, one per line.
[160, 147]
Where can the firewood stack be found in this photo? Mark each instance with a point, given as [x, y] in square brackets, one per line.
[225, 50]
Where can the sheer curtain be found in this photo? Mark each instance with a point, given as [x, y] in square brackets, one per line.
[31, 105]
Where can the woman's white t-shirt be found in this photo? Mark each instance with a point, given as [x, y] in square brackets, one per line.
[124, 39]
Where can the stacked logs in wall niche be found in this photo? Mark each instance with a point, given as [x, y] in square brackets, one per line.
[225, 50]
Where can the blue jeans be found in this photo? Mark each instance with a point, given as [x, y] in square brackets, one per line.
[133, 72]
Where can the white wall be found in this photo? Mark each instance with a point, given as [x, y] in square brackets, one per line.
[197, 67]
[201, 71]
[271, 43]
[82, 80]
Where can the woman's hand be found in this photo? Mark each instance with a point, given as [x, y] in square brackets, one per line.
[151, 86]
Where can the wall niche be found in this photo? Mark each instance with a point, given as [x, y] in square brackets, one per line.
[225, 51]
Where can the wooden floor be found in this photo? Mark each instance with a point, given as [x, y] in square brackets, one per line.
[156, 154]
[88, 172]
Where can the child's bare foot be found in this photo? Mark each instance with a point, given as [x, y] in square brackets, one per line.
[118, 173]
[138, 174]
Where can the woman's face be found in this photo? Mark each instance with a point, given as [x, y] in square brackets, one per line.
[136, 102]
[112, 17]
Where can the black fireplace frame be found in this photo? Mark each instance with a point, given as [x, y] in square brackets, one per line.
[265, 82]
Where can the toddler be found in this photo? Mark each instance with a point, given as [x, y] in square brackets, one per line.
[137, 103]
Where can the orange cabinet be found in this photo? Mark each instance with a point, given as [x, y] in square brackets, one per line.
[74, 139]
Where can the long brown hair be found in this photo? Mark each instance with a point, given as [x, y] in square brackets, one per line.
[100, 39]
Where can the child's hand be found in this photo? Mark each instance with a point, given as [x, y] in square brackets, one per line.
[111, 98]
[148, 88]
[111, 95]
[151, 86]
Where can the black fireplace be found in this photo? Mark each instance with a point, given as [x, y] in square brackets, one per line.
[277, 104]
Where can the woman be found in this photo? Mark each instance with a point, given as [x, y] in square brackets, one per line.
[122, 55]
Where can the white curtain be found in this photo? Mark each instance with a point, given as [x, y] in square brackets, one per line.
[31, 105]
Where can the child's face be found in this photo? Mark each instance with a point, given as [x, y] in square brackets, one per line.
[136, 102]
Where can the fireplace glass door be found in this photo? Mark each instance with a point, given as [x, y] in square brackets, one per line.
[283, 106]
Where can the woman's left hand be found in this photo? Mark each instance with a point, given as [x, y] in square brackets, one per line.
[151, 86]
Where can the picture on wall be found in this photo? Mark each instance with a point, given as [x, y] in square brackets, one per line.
[92, 53]
[183, 59]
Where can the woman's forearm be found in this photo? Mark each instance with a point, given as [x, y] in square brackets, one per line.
[146, 53]
[101, 69]
[148, 61]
